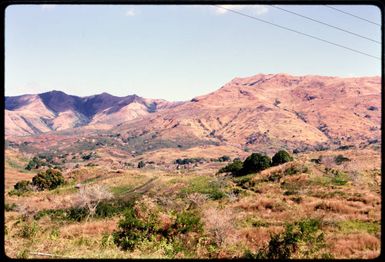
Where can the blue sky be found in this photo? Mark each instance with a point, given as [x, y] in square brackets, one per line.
[176, 52]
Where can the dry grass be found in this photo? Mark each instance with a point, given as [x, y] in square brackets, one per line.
[244, 222]
[351, 246]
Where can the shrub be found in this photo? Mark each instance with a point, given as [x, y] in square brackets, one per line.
[243, 181]
[338, 177]
[340, 159]
[316, 160]
[186, 161]
[131, 231]
[141, 164]
[50, 179]
[224, 158]
[234, 168]
[34, 163]
[255, 162]
[301, 239]
[91, 197]
[188, 221]
[88, 156]
[103, 210]
[28, 230]
[136, 227]
[22, 186]
[10, 207]
[297, 169]
[281, 157]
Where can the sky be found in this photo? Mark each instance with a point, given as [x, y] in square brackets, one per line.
[177, 52]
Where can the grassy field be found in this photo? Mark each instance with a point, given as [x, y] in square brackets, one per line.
[195, 213]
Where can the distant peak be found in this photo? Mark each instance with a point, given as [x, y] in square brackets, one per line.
[104, 94]
[54, 92]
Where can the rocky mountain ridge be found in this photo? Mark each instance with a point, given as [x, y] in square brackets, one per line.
[261, 112]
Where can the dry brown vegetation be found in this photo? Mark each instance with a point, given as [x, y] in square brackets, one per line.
[237, 214]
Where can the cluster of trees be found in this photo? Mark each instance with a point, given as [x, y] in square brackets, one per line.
[41, 160]
[255, 163]
[186, 161]
[49, 179]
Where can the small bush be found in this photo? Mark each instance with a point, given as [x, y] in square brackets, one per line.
[338, 177]
[131, 231]
[21, 187]
[50, 179]
[28, 230]
[137, 227]
[224, 158]
[296, 170]
[316, 160]
[34, 163]
[302, 239]
[281, 157]
[340, 159]
[141, 164]
[9, 207]
[234, 168]
[188, 221]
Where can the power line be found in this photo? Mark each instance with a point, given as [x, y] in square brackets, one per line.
[347, 13]
[298, 32]
[323, 23]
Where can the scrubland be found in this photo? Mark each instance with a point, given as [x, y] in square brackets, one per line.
[324, 204]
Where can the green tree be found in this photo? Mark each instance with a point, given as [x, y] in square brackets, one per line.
[50, 179]
[281, 157]
[255, 162]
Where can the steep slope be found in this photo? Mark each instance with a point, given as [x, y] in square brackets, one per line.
[266, 112]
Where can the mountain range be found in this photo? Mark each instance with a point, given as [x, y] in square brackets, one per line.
[264, 111]
[55, 110]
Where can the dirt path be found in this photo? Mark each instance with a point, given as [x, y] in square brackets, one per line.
[139, 190]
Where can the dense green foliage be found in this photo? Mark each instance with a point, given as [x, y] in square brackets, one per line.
[103, 210]
[42, 160]
[49, 179]
[234, 168]
[132, 229]
[186, 161]
[22, 186]
[255, 162]
[281, 157]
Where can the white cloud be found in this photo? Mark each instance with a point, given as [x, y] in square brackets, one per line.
[47, 7]
[255, 9]
[130, 12]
